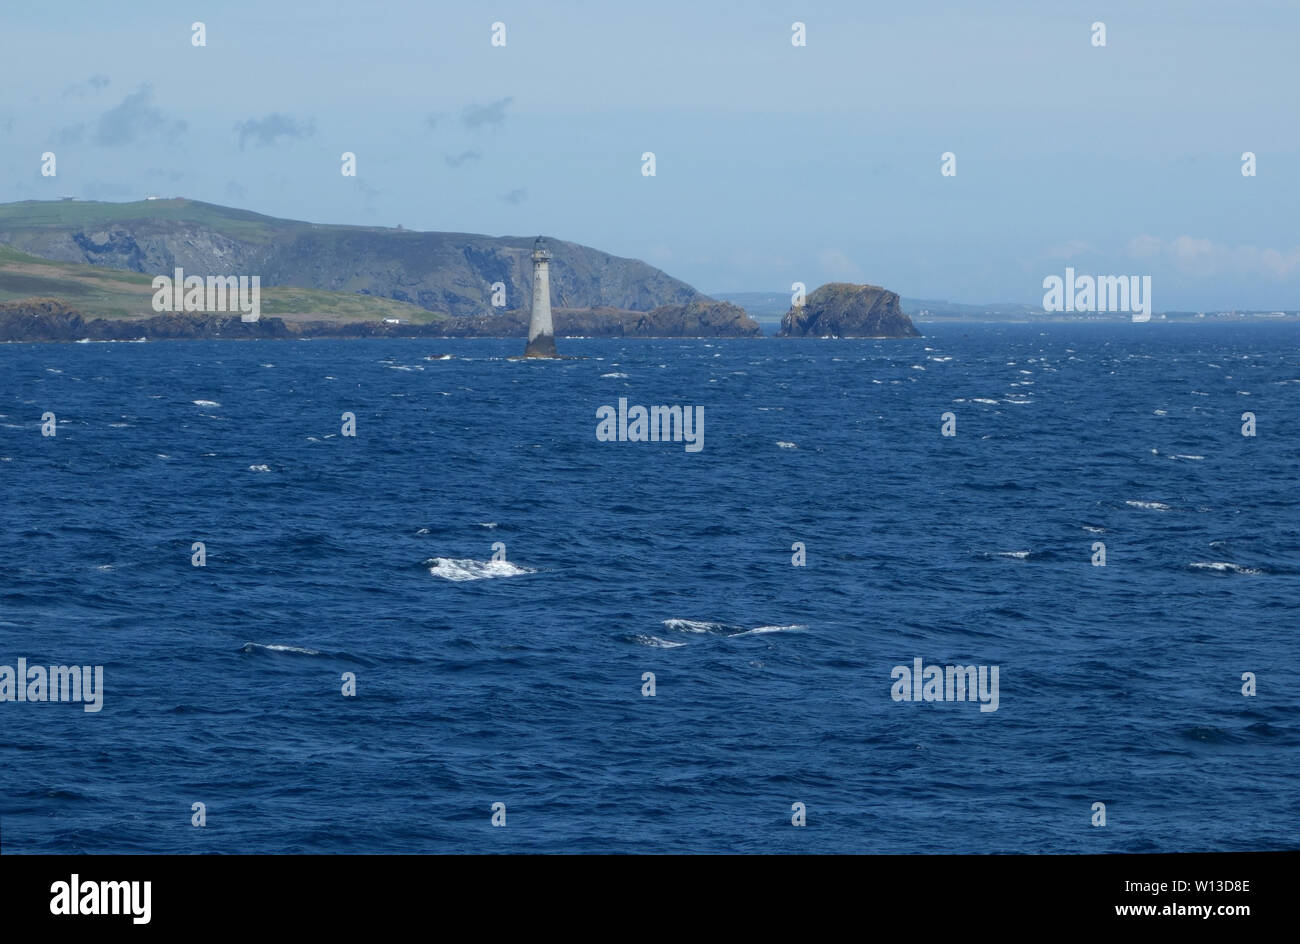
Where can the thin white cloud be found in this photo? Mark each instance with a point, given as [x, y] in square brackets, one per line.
[1196, 255]
[838, 266]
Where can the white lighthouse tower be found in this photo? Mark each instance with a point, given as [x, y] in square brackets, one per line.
[541, 334]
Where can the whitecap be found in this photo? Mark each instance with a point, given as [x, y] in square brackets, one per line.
[697, 626]
[1153, 506]
[656, 643]
[761, 630]
[259, 468]
[786, 445]
[205, 403]
[1224, 567]
[615, 376]
[468, 569]
[257, 646]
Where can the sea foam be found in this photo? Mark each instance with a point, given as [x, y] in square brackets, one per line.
[468, 569]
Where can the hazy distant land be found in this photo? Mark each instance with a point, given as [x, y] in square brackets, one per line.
[767, 308]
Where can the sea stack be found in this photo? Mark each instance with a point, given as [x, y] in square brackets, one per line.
[541, 335]
[845, 310]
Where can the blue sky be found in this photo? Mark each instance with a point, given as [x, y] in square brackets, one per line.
[775, 164]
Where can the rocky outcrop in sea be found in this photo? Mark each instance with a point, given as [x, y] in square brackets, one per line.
[845, 310]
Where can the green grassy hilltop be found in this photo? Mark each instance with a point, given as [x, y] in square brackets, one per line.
[100, 292]
[442, 273]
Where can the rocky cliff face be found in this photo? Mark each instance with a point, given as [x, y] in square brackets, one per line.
[451, 273]
[39, 319]
[697, 319]
[845, 310]
[47, 319]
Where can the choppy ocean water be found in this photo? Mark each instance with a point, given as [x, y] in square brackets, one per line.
[481, 682]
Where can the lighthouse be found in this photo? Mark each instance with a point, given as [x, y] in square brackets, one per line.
[541, 335]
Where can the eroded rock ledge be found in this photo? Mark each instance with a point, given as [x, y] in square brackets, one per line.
[48, 319]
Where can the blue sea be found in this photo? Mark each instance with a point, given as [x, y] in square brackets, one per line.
[521, 681]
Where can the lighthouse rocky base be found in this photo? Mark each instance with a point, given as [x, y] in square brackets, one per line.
[541, 346]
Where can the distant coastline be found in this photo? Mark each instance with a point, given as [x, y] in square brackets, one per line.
[52, 320]
[74, 270]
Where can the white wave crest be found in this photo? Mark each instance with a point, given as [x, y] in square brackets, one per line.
[656, 643]
[729, 630]
[697, 626]
[1224, 567]
[257, 646]
[468, 569]
[760, 630]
